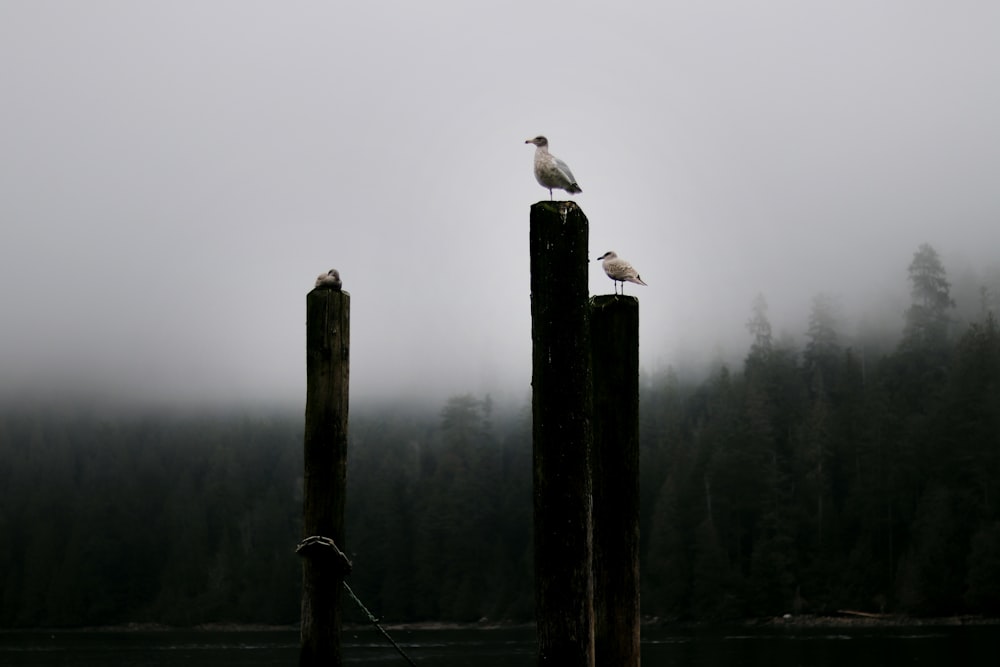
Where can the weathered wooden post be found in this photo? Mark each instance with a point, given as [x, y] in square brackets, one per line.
[561, 434]
[327, 373]
[614, 339]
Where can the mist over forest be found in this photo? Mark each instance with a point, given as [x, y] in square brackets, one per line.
[176, 177]
[835, 470]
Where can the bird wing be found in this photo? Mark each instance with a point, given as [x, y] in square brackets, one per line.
[564, 169]
[619, 269]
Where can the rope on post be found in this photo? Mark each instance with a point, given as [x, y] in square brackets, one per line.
[319, 546]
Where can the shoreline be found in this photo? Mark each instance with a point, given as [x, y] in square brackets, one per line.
[803, 621]
[839, 620]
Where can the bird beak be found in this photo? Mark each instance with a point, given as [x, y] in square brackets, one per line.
[529, 141]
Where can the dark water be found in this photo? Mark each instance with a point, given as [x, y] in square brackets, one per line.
[958, 646]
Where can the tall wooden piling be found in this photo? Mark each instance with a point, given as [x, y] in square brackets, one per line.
[561, 434]
[614, 339]
[327, 374]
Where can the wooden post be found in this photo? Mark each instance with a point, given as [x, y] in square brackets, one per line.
[327, 373]
[614, 339]
[561, 434]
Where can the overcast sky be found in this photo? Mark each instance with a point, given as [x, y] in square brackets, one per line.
[174, 175]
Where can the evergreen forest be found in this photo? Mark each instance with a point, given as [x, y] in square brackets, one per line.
[808, 478]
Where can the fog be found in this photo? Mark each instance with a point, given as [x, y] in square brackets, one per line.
[175, 175]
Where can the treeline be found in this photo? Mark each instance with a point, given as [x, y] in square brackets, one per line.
[178, 520]
[823, 479]
[811, 478]
[185, 520]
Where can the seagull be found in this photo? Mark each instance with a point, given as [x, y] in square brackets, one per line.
[619, 270]
[329, 280]
[550, 171]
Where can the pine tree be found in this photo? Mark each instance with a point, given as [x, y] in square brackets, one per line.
[927, 317]
[760, 328]
[822, 352]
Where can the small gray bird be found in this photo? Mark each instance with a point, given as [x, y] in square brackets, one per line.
[329, 280]
[619, 270]
[550, 171]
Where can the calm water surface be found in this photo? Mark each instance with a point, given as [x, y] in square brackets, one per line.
[957, 646]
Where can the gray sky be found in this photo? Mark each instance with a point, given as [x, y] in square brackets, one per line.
[175, 175]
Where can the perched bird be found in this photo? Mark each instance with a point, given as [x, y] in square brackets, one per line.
[550, 171]
[329, 280]
[619, 270]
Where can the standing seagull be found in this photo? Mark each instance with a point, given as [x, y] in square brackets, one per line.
[550, 171]
[619, 270]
